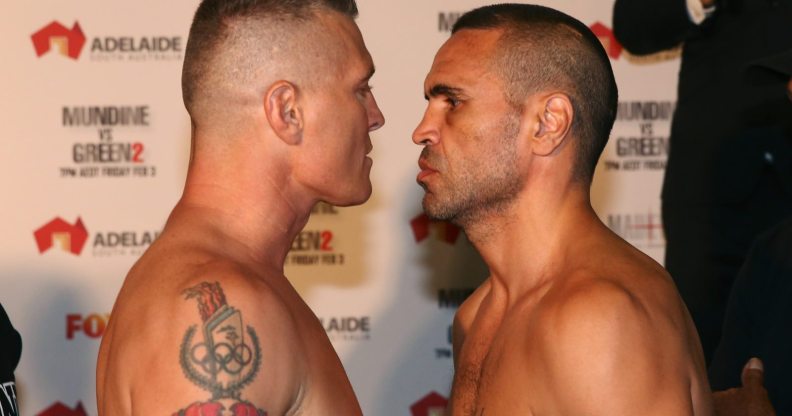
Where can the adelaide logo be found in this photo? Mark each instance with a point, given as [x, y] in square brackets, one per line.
[70, 238]
[433, 404]
[60, 409]
[68, 42]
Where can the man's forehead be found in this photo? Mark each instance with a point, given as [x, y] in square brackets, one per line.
[471, 41]
[343, 43]
[465, 57]
[352, 32]
[341, 27]
[367, 62]
[367, 59]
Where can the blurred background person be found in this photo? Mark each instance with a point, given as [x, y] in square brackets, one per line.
[749, 398]
[758, 319]
[722, 186]
[10, 352]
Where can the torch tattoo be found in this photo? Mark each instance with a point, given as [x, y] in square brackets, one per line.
[223, 362]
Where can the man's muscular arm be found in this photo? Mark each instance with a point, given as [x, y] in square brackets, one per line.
[608, 354]
[229, 346]
[221, 354]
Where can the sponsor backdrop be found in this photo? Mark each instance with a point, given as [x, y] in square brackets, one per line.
[96, 143]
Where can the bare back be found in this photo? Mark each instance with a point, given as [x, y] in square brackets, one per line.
[607, 335]
[192, 332]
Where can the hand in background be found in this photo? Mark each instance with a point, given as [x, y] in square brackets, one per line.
[749, 400]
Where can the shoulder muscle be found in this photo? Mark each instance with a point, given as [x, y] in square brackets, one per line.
[607, 354]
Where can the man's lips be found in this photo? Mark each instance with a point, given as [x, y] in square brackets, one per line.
[426, 170]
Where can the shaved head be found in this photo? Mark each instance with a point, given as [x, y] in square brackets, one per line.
[238, 48]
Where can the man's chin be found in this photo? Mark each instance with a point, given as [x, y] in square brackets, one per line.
[434, 210]
[357, 198]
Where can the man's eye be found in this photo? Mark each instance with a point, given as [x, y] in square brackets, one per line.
[453, 102]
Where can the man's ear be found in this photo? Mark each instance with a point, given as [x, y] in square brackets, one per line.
[554, 119]
[283, 114]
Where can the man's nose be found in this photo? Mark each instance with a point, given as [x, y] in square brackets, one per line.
[375, 117]
[426, 132]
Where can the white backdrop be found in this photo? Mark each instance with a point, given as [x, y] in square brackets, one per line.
[384, 281]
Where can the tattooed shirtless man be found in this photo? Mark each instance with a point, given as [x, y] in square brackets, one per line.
[206, 323]
[572, 320]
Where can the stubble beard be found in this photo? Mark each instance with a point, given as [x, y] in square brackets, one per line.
[486, 185]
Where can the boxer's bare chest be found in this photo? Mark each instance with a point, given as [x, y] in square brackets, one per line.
[477, 360]
[486, 372]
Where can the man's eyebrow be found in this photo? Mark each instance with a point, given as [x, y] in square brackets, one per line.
[442, 89]
[369, 74]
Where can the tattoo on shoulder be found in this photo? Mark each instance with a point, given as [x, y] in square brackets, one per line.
[222, 361]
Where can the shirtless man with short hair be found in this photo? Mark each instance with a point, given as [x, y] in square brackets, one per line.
[206, 323]
[572, 320]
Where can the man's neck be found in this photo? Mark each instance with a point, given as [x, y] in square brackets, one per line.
[249, 207]
[535, 237]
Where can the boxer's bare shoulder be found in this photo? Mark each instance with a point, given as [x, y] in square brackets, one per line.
[600, 346]
[603, 337]
[210, 336]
